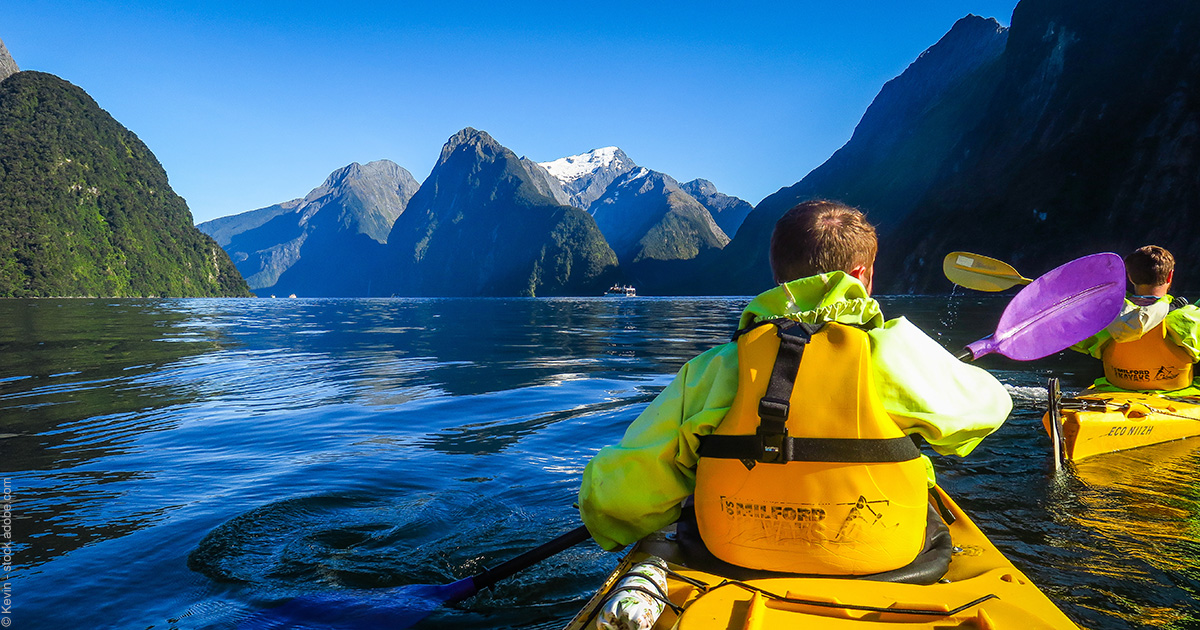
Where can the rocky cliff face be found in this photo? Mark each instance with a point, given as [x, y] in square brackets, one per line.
[325, 243]
[480, 225]
[900, 146]
[8, 67]
[1089, 143]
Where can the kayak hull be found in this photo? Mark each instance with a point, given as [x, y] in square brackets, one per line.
[1118, 421]
[982, 589]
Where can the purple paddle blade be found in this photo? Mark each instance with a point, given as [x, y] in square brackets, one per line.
[1063, 307]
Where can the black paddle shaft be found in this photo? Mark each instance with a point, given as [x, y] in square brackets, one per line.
[531, 557]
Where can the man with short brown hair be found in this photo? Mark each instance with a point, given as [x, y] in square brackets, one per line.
[820, 236]
[859, 371]
[1154, 342]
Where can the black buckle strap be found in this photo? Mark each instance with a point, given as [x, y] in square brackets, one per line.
[791, 449]
[774, 447]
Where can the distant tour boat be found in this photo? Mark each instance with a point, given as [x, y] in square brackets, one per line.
[627, 291]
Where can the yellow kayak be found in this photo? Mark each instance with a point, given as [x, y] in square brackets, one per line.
[1098, 422]
[981, 590]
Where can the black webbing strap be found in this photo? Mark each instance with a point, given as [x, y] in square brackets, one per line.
[945, 512]
[771, 444]
[774, 407]
[840, 450]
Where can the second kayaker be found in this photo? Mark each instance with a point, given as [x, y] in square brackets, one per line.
[794, 438]
[1153, 344]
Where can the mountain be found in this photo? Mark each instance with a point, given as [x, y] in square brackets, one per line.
[1088, 143]
[546, 183]
[325, 244]
[480, 226]
[899, 148]
[645, 215]
[8, 67]
[86, 208]
[586, 176]
[726, 210]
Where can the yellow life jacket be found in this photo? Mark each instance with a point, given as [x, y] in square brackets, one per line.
[807, 473]
[1150, 362]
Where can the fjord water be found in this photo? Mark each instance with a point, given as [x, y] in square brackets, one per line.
[185, 463]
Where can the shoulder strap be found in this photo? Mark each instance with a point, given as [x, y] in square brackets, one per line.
[771, 444]
[774, 406]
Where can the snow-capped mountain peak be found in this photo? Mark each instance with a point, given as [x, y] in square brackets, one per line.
[572, 167]
[585, 176]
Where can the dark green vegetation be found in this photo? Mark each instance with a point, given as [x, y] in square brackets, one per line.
[86, 209]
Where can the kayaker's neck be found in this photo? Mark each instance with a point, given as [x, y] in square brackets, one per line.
[1156, 290]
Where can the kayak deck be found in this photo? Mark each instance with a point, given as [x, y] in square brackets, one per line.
[1104, 422]
[982, 589]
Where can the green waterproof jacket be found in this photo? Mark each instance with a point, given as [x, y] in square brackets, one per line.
[1138, 316]
[635, 487]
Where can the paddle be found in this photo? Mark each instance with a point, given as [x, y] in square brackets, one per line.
[1063, 307]
[1054, 408]
[1058, 309]
[402, 606]
[980, 273]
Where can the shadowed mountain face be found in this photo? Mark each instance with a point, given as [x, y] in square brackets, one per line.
[1073, 132]
[325, 244]
[85, 207]
[645, 215]
[899, 148]
[726, 210]
[1088, 143]
[480, 225]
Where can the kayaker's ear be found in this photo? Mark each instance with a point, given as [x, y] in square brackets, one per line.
[864, 274]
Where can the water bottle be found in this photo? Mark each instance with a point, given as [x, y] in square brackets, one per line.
[631, 605]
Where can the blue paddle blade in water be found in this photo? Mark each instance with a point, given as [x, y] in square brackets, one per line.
[399, 607]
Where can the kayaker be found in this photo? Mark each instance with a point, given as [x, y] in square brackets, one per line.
[1153, 344]
[861, 387]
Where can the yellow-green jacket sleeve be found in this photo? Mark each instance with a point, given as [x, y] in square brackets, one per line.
[951, 404]
[635, 487]
[1183, 327]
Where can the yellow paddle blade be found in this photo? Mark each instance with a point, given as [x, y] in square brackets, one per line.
[980, 272]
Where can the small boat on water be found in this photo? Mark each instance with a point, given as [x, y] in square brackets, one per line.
[622, 290]
[1096, 422]
[981, 589]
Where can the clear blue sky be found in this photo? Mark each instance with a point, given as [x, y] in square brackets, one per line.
[248, 103]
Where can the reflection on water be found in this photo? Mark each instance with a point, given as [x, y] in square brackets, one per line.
[1134, 517]
[189, 461]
